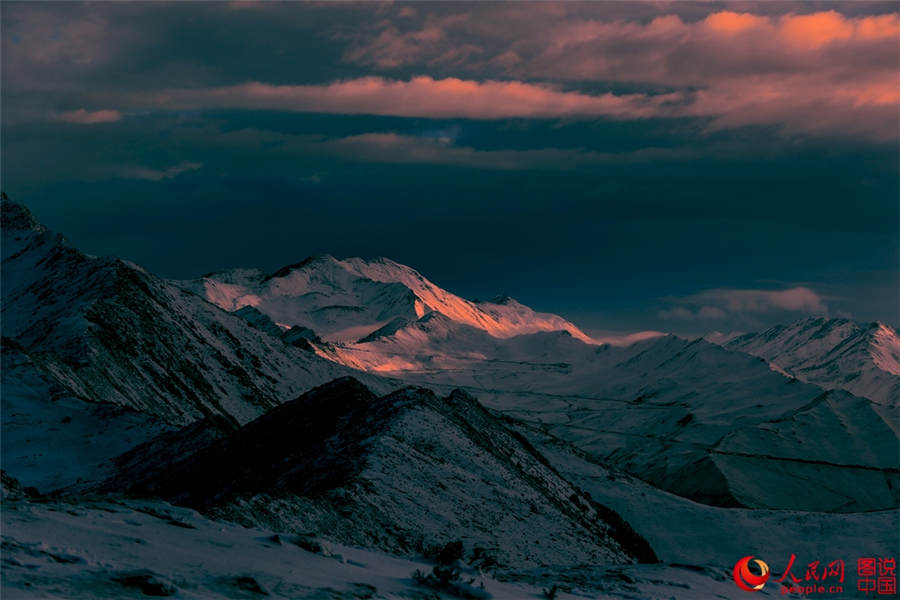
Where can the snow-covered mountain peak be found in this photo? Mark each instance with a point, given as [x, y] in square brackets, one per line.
[347, 300]
[21, 230]
[16, 217]
[721, 338]
[106, 330]
[885, 348]
[504, 300]
[325, 267]
[863, 358]
[237, 276]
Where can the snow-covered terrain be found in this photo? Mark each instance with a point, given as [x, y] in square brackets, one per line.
[689, 416]
[569, 461]
[699, 420]
[398, 473]
[863, 359]
[710, 539]
[106, 330]
[101, 548]
[347, 300]
[51, 439]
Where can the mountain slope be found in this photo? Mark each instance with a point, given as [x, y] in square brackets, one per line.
[106, 330]
[51, 439]
[436, 342]
[398, 472]
[667, 410]
[863, 359]
[346, 300]
[688, 533]
[117, 548]
[840, 453]
[660, 410]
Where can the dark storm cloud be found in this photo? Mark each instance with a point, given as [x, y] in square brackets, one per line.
[196, 136]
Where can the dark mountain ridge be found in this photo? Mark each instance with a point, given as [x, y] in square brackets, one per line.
[397, 472]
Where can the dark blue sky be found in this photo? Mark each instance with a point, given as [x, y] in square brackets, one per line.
[704, 167]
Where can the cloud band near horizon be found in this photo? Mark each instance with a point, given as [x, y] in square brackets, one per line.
[721, 303]
[861, 111]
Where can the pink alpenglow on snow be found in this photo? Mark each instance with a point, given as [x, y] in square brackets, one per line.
[346, 300]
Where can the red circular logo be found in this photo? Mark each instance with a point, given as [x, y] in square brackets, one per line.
[745, 579]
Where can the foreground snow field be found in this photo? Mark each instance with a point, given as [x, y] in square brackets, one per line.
[114, 548]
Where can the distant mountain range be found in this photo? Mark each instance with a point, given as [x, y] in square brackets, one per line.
[665, 409]
[359, 401]
[685, 415]
[862, 358]
[383, 316]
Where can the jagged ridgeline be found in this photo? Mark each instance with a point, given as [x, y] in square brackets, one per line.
[755, 423]
[106, 330]
[155, 392]
[400, 472]
[357, 401]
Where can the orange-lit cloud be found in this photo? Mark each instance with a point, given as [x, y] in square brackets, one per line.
[90, 117]
[419, 97]
[816, 30]
[800, 103]
[731, 23]
[815, 73]
[820, 73]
